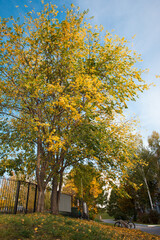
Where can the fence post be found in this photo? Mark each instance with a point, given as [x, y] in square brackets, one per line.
[17, 196]
[27, 198]
[35, 199]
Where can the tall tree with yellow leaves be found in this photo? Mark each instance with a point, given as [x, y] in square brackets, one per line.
[59, 86]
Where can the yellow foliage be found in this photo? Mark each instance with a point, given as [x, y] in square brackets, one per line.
[95, 189]
[58, 76]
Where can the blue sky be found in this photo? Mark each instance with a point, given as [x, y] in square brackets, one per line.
[126, 18]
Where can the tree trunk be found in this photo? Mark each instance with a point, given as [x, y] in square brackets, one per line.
[148, 191]
[54, 197]
[40, 204]
[40, 175]
[60, 188]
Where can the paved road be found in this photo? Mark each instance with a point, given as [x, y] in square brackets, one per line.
[152, 229]
[149, 229]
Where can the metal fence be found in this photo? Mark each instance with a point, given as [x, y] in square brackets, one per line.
[21, 197]
[17, 196]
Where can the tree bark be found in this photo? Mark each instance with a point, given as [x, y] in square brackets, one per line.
[40, 204]
[60, 188]
[148, 191]
[40, 173]
[54, 197]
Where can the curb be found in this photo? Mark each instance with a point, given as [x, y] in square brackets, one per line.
[143, 225]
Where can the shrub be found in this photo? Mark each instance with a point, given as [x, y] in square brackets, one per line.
[154, 217]
[151, 217]
[143, 218]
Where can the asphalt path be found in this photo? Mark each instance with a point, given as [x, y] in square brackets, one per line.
[152, 229]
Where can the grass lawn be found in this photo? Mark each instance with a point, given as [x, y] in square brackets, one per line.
[104, 216]
[47, 226]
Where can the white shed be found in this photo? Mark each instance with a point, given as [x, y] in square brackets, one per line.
[65, 203]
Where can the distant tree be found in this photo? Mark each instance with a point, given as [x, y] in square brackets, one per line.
[85, 182]
[122, 207]
[142, 184]
[154, 146]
